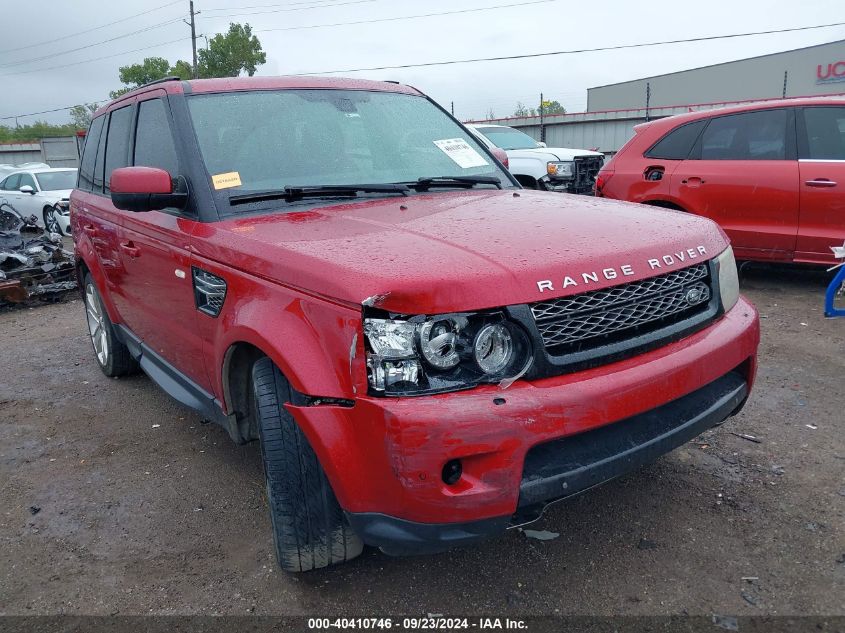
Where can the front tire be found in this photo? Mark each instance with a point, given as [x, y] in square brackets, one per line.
[111, 354]
[51, 222]
[310, 530]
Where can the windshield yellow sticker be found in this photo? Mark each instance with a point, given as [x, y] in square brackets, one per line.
[224, 181]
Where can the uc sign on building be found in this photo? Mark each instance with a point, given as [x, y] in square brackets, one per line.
[830, 73]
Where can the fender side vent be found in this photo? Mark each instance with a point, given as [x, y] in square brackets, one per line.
[209, 291]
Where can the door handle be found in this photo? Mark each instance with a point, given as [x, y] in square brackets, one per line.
[820, 182]
[130, 249]
[90, 229]
[693, 181]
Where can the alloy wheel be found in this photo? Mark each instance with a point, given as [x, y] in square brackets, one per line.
[96, 325]
[51, 222]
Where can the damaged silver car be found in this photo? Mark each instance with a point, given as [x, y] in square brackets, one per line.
[33, 263]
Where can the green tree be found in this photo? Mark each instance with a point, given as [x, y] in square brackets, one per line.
[80, 115]
[553, 107]
[151, 69]
[230, 54]
[522, 110]
[182, 69]
[227, 55]
[34, 132]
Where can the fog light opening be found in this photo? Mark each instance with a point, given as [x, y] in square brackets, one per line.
[452, 472]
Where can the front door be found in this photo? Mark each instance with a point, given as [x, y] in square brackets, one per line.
[743, 174]
[822, 183]
[157, 300]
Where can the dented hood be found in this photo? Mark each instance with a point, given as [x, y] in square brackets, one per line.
[456, 251]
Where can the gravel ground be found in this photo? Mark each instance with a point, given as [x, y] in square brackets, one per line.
[114, 499]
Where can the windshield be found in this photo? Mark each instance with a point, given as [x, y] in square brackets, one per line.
[267, 140]
[508, 138]
[56, 180]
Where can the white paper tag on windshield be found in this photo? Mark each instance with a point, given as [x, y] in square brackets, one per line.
[460, 151]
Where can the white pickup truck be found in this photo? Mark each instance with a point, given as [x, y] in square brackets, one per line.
[536, 166]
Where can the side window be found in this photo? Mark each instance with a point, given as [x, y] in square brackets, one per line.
[825, 133]
[27, 179]
[117, 142]
[747, 136]
[89, 154]
[101, 158]
[154, 145]
[677, 144]
[11, 183]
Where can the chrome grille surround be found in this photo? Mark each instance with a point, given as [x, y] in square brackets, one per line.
[593, 318]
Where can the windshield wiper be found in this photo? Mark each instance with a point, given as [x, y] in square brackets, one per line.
[423, 184]
[293, 193]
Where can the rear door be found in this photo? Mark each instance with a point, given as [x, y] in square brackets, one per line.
[821, 144]
[743, 174]
[96, 221]
[10, 191]
[158, 298]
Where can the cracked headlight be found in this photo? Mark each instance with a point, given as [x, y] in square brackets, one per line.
[420, 355]
[728, 279]
[564, 169]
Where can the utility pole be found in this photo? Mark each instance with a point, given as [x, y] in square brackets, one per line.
[785, 78]
[453, 108]
[647, 99]
[542, 126]
[193, 25]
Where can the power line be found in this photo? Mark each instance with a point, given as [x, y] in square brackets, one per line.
[291, 28]
[96, 28]
[73, 50]
[80, 48]
[338, 4]
[92, 59]
[405, 17]
[508, 57]
[573, 51]
[15, 116]
[317, 4]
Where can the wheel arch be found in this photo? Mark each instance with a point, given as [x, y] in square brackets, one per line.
[529, 182]
[86, 263]
[236, 382]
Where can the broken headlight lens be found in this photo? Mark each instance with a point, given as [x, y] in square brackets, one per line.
[421, 355]
[564, 169]
[728, 279]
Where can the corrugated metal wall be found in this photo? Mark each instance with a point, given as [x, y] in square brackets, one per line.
[58, 151]
[17, 153]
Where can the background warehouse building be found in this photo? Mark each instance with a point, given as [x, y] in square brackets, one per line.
[613, 110]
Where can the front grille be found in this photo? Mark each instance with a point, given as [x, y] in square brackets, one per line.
[586, 170]
[600, 317]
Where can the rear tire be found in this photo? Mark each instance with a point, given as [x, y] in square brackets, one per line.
[310, 530]
[111, 354]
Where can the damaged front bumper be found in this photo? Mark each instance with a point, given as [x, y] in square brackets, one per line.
[568, 466]
[524, 447]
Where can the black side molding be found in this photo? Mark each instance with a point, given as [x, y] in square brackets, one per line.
[177, 385]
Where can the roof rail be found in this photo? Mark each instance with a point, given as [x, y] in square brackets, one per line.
[160, 81]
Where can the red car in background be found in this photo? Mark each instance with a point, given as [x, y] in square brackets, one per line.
[771, 174]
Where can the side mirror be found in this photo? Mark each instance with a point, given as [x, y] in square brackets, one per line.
[502, 156]
[541, 144]
[146, 189]
[27, 189]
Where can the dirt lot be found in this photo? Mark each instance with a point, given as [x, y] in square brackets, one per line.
[114, 499]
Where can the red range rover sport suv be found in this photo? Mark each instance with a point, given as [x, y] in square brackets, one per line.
[427, 353]
[771, 174]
